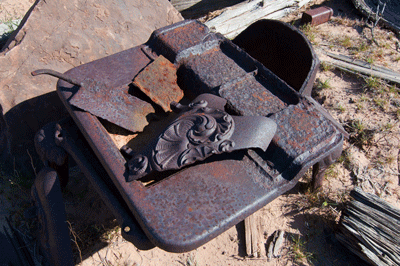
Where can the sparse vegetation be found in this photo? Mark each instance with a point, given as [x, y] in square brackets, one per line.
[326, 67]
[310, 31]
[363, 47]
[346, 42]
[372, 83]
[299, 252]
[345, 159]
[340, 108]
[380, 102]
[370, 60]
[16, 189]
[191, 261]
[331, 172]
[323, 84]
[11, 23]
[360, 135]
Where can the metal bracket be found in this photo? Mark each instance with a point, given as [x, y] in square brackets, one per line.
[203, 129]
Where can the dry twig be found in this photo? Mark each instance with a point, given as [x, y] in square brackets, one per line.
[76, 243]
[378, 16]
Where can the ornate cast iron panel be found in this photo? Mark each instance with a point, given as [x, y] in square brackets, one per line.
[185, 208]
[203, 129]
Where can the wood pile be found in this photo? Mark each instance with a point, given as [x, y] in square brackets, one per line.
[370, 228]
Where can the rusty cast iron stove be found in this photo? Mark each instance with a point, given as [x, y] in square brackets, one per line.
[240, 136]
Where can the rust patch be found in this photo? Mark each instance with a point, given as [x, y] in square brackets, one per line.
[317, 16]
[159, 82]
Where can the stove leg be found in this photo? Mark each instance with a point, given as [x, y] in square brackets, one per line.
[319, 169]
[50, 153]
[54, 235]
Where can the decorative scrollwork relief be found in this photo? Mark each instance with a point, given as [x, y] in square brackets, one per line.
[198, 133]
[202, 129]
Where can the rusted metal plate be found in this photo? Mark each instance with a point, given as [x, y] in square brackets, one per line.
[302, 128]
[182, 209]
[182, 36]
[159, 82]
[317, 16]
[249, 96]
[210, 69]
[112, 104]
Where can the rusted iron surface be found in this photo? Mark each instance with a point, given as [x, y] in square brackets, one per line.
[182, 36]
[249, 96]
[203, 129]
[54, 235]
[206, 71]
[317, 16]
[184, 209]
[51, 154]
[158, 82]
[53, 142]
[112, 104]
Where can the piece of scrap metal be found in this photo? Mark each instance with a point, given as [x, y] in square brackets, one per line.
[111, 104]
[159, 82]
[317, 16]
[203, 129]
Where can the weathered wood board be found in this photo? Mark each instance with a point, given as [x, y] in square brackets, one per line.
[370, 228]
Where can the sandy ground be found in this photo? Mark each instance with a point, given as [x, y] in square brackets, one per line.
[10, 10]
[369, 112]
[14, 9]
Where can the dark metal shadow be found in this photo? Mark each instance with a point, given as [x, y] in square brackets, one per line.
[19, 128]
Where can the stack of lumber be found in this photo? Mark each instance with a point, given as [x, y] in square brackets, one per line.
[370, 228]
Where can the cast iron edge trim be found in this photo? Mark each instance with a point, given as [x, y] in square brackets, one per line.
[119, 212]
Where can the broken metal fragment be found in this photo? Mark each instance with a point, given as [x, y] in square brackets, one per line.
[159, 82]
[111, 104]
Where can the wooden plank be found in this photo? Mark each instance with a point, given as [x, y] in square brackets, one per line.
[255, 237]
[348, 64]
[370, 228]
[235, 19]
[253, 240]
[362, 64]
[249, 231]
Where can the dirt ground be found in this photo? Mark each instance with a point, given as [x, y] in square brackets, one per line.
[14, 9]
[368, 108]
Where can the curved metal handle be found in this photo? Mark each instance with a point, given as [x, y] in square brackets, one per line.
[57, 75]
